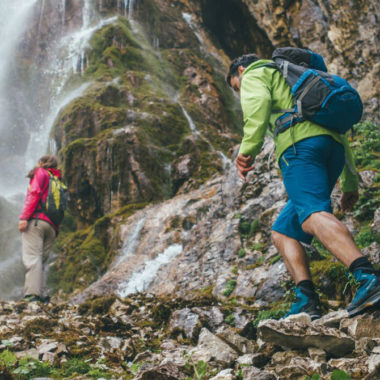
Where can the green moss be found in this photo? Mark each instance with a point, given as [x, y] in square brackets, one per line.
[84, 256]
[39, 326]
[329, 277]
[97, 305]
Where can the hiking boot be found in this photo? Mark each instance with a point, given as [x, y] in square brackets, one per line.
[32, 298]
[306, 302]
[368, 293]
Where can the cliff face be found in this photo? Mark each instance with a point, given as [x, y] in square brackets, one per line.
[155, 121]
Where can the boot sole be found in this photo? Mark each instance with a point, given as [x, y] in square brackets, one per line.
[371, 301]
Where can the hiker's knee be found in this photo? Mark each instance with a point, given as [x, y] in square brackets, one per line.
[321, 220]
[277, 238]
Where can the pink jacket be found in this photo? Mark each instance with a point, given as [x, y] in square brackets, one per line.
[38, 191]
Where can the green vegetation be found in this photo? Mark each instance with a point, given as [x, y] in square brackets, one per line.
[230, 286]
[248, 229]
[268, 314]
[230, 319]
[27, 368]
[366, 146]
[85, 255]
[365, 237]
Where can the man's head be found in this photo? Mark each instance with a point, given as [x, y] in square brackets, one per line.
[237, 68]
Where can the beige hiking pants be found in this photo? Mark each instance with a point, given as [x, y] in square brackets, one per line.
[37, 241]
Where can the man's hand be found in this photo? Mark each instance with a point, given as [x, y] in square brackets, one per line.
[348, 200]
[22, 225]
[244, 165]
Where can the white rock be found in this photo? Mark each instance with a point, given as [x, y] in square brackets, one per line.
[373, 362]
[212, 348]
[226, 374]
[299, 318]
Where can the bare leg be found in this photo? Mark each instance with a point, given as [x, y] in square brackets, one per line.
[334, 235]
[294, 256]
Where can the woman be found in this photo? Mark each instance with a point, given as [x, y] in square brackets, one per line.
[38, 231]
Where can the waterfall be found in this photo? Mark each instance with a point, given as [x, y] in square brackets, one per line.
[40, 53]
[142, 279]
[131, 242]
[13, 19]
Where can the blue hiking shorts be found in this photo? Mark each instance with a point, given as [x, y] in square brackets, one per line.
[309, 170]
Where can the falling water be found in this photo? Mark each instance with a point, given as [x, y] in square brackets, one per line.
[142, 279]
[33, 90]
[13, 19]
[131, 242]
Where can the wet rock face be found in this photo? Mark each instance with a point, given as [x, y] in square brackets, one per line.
[155, 126]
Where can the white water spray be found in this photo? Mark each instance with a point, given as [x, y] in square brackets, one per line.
[131, 242]
[140, 281]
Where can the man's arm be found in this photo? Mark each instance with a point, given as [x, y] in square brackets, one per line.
[32, 199]
[256, 106]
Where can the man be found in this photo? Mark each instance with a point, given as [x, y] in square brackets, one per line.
[38, 230]
[311, 159]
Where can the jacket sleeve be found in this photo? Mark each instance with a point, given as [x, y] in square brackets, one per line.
[34, 194]
[256, 106]
[349, 179]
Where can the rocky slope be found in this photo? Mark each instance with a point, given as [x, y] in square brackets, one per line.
[147, 150]
[144, 337]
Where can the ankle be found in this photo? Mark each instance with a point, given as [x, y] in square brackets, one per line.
[307, 286]
[362, 263]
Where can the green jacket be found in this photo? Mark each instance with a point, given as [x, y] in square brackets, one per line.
[263, 89]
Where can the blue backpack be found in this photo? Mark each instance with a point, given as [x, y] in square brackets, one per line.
[322, 98]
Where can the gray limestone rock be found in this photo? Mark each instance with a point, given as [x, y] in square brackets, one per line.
[300, 336]
[186, 322]
[253, 373]
[331, 319]
[226, 374]
[212, 348]
[365, 325]
[237, 342]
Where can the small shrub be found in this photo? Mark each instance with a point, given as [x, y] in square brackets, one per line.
[340, 375]
[76, 366]
[268, 314]
[230, 319]
[7, 358]
[241, 253]
[366, 237]
[230, 286]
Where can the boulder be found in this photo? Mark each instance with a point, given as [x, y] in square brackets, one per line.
[186, 322]
[301, 336]
[365, 325]
[212, 348]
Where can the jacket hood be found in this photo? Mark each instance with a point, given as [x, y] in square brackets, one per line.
[257, 64]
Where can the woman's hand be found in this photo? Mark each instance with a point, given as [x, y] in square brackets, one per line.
[22, 225]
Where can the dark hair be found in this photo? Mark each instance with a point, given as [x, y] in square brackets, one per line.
[47, 162]
[244, 60]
